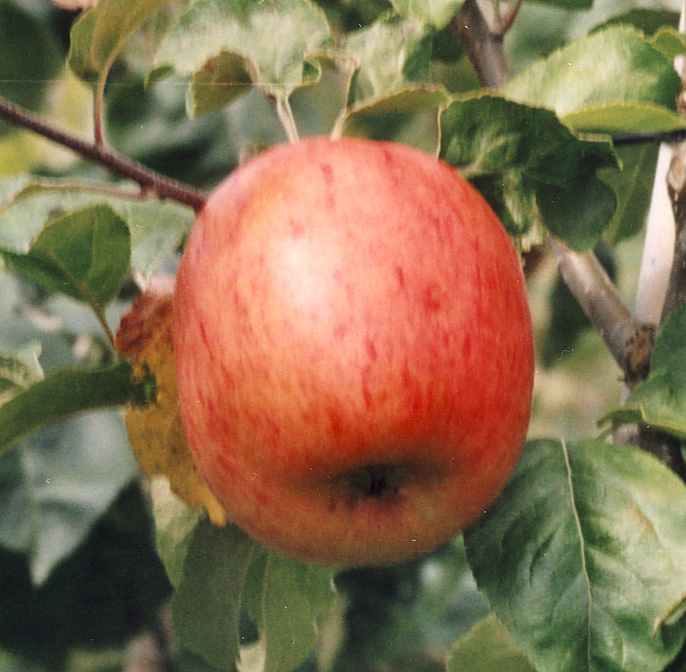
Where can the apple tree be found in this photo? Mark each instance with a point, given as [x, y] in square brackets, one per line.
[119, 117]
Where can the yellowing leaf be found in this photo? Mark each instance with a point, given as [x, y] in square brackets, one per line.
[156, 432]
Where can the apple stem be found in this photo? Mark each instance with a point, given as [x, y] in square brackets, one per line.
[283, 109]
[149, 180]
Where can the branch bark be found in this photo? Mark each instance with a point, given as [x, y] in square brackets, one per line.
[629, 341]
[150, 181]
[484, 48]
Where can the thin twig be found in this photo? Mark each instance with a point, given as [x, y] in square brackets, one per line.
[483, 47]
[506, 23]
[163, 187]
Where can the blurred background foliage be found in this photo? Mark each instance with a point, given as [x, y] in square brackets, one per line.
[79, 577]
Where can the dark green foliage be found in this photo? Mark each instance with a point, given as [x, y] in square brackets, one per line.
[110, 589]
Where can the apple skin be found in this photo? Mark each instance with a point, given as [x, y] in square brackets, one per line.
[354, 350]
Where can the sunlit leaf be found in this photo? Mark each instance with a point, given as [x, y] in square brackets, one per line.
[669, 42]
[19, 371]
[391, 70]
[29, 205]
[99, 34]
[437, 13]
[84, 255]
[601, 81]
[274, 45]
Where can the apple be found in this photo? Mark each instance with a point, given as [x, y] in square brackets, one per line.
[354, 350]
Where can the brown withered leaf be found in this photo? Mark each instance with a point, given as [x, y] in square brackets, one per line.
[156, 432]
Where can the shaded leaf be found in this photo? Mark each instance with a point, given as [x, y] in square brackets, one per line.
[582, 555]
[65, 393]
[285, 598]
[102, 595]
[600, 82]
[649, 21]
[489, 647]
[274, 45]
[175, 524]
[99, 34]
[84, 255]
[30, 58]
[55, 485]
[206, 605]
[633, 185]
[569, 4]
[535, 172]
[436, 13]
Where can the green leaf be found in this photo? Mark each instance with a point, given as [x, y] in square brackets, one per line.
[274, 45]
[669, 42]
[175, 524]
[99, 34]
[206, 605]
[660, 401]
[649, 21]
[29, 204]
[569, 4]
[55, 485]
[65, 393]
[30, 58]
[531, 167]
[633, 185]
[582, 556]
[436, 13]
[285, 598]
[589, 81]
[625, 118]
[157, 229]
[109, 589]
[19, 371]
[489, 647]
[84, 255]
[392, 60]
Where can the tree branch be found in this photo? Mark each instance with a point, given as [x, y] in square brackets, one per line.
[629, 341]
[161, 186]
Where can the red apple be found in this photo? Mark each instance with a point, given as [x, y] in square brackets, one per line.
[354, 350]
